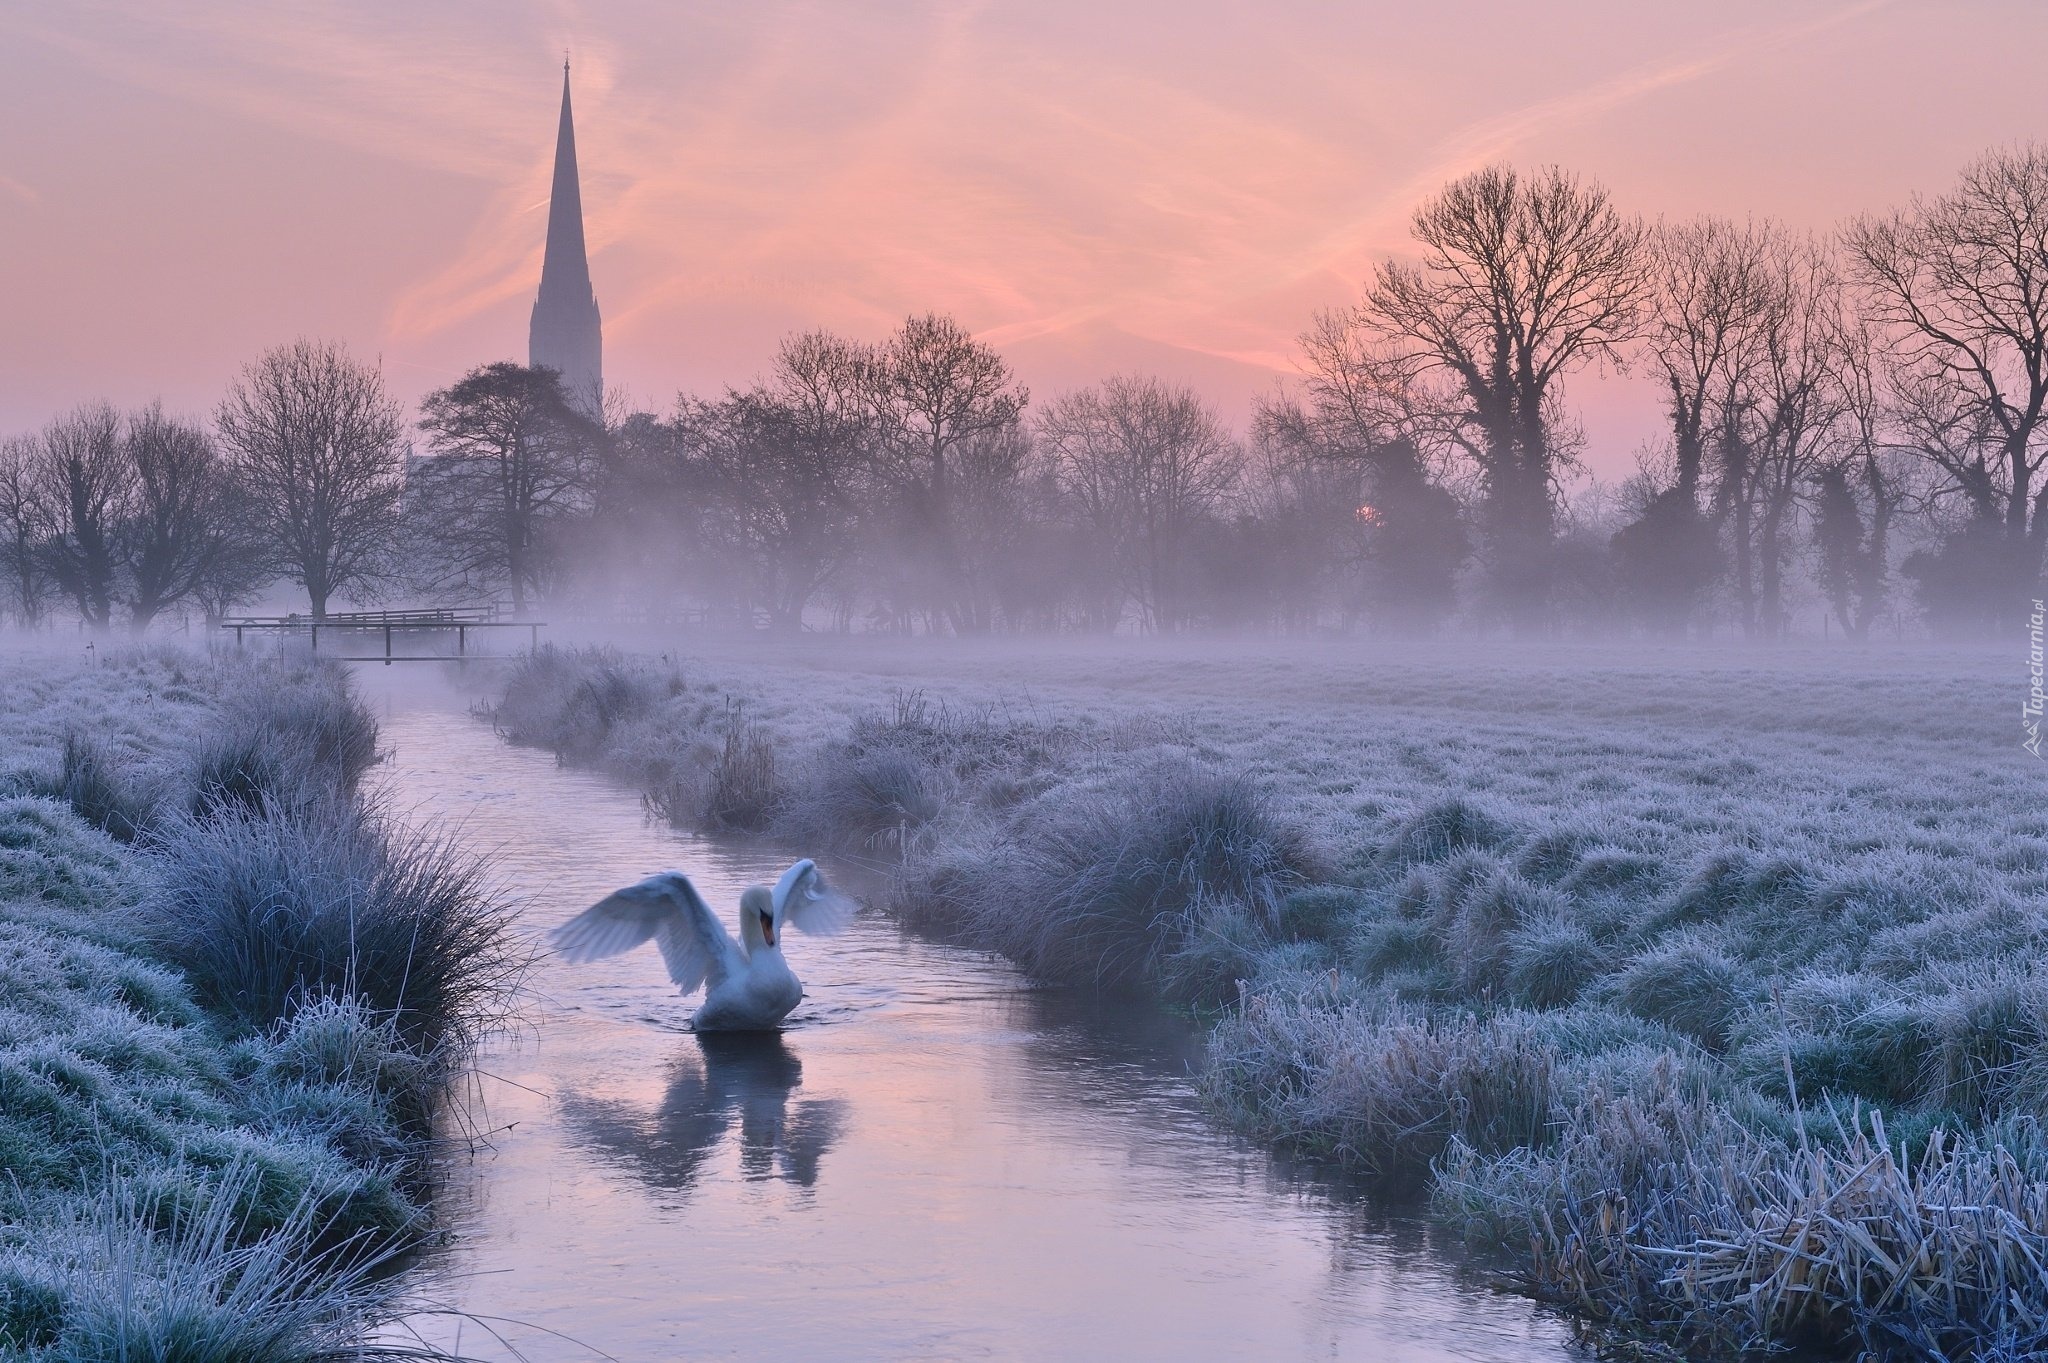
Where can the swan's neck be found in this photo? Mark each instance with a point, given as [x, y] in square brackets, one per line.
[757, 921]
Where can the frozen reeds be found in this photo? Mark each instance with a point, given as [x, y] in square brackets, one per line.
[743, 792]
[88, 778]
[145, 1270]
[1659, 1213]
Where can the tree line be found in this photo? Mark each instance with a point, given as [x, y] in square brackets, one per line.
[1852, 420]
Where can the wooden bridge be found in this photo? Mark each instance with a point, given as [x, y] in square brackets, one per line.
[348, 629]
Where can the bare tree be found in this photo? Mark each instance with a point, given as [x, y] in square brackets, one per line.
[1363, 392]
[86, 487]
[1709, 295]
[24, 526]
[1147, 464]
[1798, 405]
[993, 510]
[1521, 281]
[942, 387]
[1398, 433]
[1304, 508]
[789, 463]
[319, 447]
[1962, 281]
[186, 536]
[938, 388]
[1865, 485]
[510, 458]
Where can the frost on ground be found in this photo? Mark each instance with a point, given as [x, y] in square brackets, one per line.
[189, 1179]
[1714, 979]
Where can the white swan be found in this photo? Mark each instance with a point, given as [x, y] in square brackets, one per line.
[748, 987]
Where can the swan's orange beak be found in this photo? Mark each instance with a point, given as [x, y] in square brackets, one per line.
[768, 929]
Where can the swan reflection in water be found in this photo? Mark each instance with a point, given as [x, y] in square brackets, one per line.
[723, 1077]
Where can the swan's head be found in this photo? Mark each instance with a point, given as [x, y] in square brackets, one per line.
[757, 917]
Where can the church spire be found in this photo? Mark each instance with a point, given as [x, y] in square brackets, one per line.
[565, 334]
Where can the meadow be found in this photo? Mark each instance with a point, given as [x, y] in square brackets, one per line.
[1706, 981]
[232, 999]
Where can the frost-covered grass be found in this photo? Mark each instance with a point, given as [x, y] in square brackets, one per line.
[192, 1175]
[264, 910]
[1709, 980]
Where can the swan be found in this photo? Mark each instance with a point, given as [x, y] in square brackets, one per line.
[748, 987]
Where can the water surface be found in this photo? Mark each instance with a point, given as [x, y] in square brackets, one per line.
[936, 1160]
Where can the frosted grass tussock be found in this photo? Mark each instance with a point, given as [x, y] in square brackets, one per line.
[123, 1109]
[136, 1272]
[1656, 1213]
[309, 721]
[265, 912]
[1384, 1088]
[88, 779]
[575, 701]
[1104, 885]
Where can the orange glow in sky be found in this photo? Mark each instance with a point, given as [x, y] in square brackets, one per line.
[1172, 188]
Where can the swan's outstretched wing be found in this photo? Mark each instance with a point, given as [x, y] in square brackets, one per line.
[667, 909]
[803, 899]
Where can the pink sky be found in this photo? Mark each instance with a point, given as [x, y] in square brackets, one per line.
[1094, 186]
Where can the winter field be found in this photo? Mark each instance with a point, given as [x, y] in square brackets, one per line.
[216, 1097]
[1709, 980]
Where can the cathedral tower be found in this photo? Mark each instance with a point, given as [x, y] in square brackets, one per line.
[566, 335]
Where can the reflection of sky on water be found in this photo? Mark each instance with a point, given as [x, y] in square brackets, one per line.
[935, 1160]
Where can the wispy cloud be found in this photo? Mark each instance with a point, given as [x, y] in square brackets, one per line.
[1057, 173]
[1491, 139]
[424, 94]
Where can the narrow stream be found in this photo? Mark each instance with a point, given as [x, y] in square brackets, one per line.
[937, 1160]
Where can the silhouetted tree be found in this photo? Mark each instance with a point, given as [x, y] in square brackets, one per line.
[1950, 578]
[1399, 425]
[991, 510]
[510, 458]
[1795, 404]
[186, 536]
[641, 548]
[1709, 294]
[1862, 491]
[788, 465]
[936, 388]
[1415, 543]
[86, 487]
[1301, 509]
[1148, 465]
[1962, 281]
[1848, 567]
[1664, 561]
[1522, 280]
[24, 526]
[318, 445]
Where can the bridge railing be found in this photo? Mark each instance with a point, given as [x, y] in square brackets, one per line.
[350, 625]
